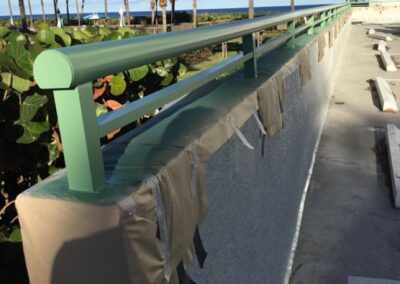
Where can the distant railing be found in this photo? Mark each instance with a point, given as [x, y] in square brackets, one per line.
[70, 71]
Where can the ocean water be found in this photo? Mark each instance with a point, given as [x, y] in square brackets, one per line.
[258, 10]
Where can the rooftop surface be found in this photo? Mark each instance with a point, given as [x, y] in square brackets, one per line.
[350, 226]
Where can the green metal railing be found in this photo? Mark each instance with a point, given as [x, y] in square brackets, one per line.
[70, 71]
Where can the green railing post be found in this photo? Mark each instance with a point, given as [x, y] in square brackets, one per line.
[291, 31]
[323, 18]
[311, 21]
[329, 16]
[249, 46]
[76, 113]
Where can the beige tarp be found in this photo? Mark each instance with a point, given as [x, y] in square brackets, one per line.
[321, 47]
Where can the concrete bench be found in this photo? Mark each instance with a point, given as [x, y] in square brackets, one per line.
[393, 144]
[386, 98]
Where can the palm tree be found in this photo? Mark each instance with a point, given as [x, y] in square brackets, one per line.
[172, 2]
[77, 12]
[292, 5]
[55, 2]
[82, 7]
[22, 12]
[30, 13]
[67, 7]
[163, 5]
[128, 17]
[105, 8]
[153, 11]
[11, 13]
[194, 13]
[43, 13]
[251, 9]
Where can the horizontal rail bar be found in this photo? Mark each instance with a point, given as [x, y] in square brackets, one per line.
[71, 66]
[123, 116]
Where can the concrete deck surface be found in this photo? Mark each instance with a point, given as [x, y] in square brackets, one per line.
[350, 227]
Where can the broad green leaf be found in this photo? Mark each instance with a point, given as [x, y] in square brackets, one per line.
[182, 69]
[69, 30]
[81, 36]
[101, 109]
[18, 37]
[4, 31]
[118, 85]
[30, 106]
[43, 26]
[34, 50]
[123, 30]
[90, 31]
[104, 31]
[62, 37]
[21, 57]
[113, 36]
[45, 36]
[167, 80]
[138, 73]
[162, 71]
[6, 61]
[18, 84]
[32, 131]
[169, 63]
[15, 236]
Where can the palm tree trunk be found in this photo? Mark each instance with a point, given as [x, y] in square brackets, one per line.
[164, 18]
[77, 12]
[292, 5]
[251, 9]
[153, 11]
[55, 2]
[128, 16]
[82, 8]
[67, 6]
[195, 13]
[43, 13]
[172, 11]
[11, 13]
[30, 13]
[22, 12]
[105, 8]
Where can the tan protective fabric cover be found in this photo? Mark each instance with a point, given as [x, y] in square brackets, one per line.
[270, 107]
[131, 223]
[331, 36]
[321, 47]
[305, 66]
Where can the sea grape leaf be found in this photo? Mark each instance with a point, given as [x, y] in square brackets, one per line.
[18, 37]
[32, 131]
[104, 31]
[45, 36]
[182, 69]
[162, 71]
[53, 151]
[167, 80]
[118, 85]
[138, 73]
[90, 31]
[113, 36]
[21, 57]
[81, 36]
[30, 106]
[15, 236]
[100, 109]
[4, 31]
[43, 26]
[19, 84]
[6, 61]
[62, 37]
[34, 50]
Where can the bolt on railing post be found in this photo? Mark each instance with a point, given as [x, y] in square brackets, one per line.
[249, 46]
[76, 113]
[291, 31]
[323, 17]
[311, 21]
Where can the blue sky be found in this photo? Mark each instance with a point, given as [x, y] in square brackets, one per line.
[143, 5]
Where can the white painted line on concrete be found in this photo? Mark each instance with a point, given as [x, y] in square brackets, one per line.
[382, 45]
[363, 280]
[380, 37]
[388, 62]
[386, 97]
[393, 146]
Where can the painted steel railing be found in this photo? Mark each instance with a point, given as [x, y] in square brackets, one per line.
[69, 72]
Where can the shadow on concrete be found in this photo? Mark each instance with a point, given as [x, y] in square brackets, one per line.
[380, 62]
[374, 94]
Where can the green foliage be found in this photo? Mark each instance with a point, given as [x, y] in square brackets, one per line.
[30, 144]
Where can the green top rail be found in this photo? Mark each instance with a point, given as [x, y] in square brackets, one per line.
[70, 71]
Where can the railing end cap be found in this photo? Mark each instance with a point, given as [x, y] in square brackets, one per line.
[53, 70]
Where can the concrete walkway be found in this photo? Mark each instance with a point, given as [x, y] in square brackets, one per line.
[350, 227]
